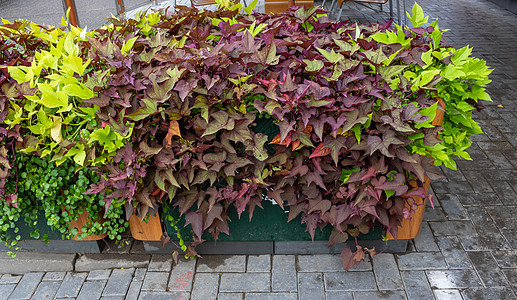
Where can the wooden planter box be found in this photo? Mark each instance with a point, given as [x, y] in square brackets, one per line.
[146, 231]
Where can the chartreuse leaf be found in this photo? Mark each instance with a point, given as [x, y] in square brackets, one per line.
[249, 9]
[331, 56]
[417, 19]
[128, 46]
[313, 65]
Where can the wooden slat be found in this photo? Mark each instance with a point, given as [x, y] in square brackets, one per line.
[409, 229]
[277, 6]
[81, 221]
[151, 231]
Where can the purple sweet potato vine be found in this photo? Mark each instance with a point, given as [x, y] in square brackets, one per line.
[180, 96]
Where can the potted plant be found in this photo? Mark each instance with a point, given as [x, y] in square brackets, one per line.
[213, 112]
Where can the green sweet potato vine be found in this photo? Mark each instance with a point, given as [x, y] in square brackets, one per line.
[211, 111]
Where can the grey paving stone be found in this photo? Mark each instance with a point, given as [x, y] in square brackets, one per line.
[222, 263]
[119, 282]
[311, 286]
[108, 298]
[91, 290]
[155, 281]
[451, 227]
[328, 263]
[453, 279]
[8, 278]
[46, 290]
[500, 214]
[205, 286]
[386, 272]
[259, 263]
[283, 277]
[453, 252]
[388, 295]
[425, 240]
[270, 296]
[350, 281]
[338, 295]
[483, 243]
[26, 262]
[245, 282]
[54, 276]
[505, 192]
[447, 294]
[479, 199]
[488, 293]
[230, 296]
[164, 296]
[139, 274]
[6, 290]
[511, 275]
[421, 261]
[434, 214]
[71, 285]
[90, 262]
[160, 263]
[26, 286]
[505, 259]
[99, 275]
[452, 207]
[416, 285]
[487, 269]
[182, 275]
[134, 290]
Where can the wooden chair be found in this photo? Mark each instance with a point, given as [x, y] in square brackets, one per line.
[207, 2]
[380, 2]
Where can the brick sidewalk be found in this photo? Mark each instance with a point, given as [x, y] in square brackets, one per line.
[467, 247]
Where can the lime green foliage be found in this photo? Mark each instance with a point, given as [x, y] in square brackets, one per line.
[450, 74]
[57, 82]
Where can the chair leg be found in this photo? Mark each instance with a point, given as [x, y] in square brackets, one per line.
[405, 15]
[323, 4]
[331, 7]
[391, 9]
[340, 11]
[398, 12]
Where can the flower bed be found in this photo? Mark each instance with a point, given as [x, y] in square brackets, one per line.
[213, 111]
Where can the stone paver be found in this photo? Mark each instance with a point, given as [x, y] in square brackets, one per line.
[98, 275]
[311, 286]
[467, 247]
[118, 282]
[205, 286]
[182, 275]
[91, 290]
[386, 295]
[6, 290]
[386, 272]
[259, 263]
[71, 285]
[416, 285]
[26, 286]
[350, 281]
[421, 261]
[55, 276]
[222, 263]
[155, 281]
[160, 263]
[283, 278]
[46, 290]
[245, 282]
[453, 279]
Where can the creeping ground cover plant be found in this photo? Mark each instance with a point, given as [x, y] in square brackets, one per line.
[212, 111]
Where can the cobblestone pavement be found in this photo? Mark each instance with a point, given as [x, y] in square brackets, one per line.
[467, 247]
